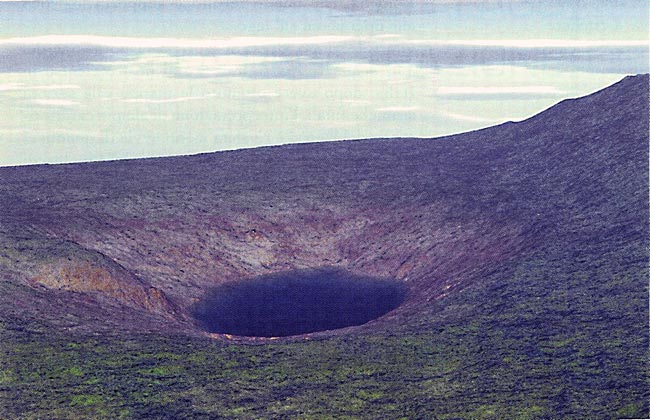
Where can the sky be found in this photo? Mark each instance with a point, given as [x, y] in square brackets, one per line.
[84, 81]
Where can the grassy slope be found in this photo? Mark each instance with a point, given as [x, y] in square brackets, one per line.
[560, 331]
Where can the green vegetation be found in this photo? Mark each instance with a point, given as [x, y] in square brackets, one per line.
[530, 347]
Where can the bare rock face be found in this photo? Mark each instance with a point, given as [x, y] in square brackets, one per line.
[104, 281]
[64, 266]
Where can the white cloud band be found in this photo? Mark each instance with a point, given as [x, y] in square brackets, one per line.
[246, 42]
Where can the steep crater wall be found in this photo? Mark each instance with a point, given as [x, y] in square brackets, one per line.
[193, 258]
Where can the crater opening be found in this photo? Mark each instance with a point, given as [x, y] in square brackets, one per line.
[297, 302]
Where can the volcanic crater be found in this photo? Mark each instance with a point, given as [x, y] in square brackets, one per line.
[297, 302]
[216, 243]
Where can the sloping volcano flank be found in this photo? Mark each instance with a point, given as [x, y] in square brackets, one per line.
[438, 215]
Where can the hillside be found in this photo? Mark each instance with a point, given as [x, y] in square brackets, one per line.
[522, 248]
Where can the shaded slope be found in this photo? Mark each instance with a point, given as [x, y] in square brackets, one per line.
[523, 246]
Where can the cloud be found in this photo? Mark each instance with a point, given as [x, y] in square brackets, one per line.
[344, 5]
[262, 97]
[386, 40]
[20, 58]
[310, 57]
[152, 117]
[288, 68]
[457, 54]
[21, 86]
[281, 2]
[357, 102]
[369, 7]
[138, 43]
[399, 109]
[54, 102]
[296, 69]
[472, 118]
[496, 92]
[218, 66]
[532, 43]
[263, 94]
[50, 132]
[167, 100]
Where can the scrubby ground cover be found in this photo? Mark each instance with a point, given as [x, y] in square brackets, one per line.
[519, 347]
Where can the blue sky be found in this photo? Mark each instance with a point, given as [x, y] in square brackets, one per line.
[106, 80]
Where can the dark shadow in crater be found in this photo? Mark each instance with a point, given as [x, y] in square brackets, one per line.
[297, 302]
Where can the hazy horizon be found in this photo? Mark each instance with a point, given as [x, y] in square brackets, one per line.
[84, 81]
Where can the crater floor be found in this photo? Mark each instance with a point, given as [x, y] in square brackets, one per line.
[297, 302]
